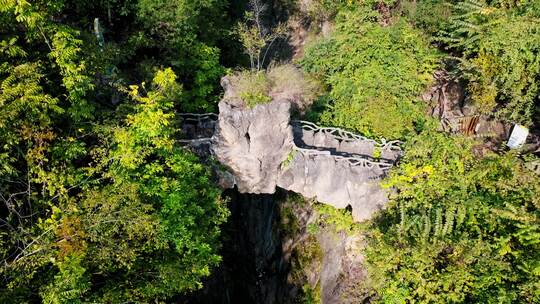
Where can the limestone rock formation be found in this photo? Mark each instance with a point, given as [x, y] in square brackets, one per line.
[252, 144]
[334, 182]
[342, 269]
[263, 150]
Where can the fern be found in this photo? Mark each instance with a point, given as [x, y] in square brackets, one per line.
[498, 47]
[426, 229]
[472, 228]
[438, 224]
[461, 214]
[466, 25]
[449, 221]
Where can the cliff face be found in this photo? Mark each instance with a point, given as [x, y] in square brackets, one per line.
[326, 264]
[269, 253]
[252, 144]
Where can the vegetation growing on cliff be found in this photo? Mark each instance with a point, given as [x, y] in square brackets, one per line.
[373, 71]
[498, 43]
[278, 82]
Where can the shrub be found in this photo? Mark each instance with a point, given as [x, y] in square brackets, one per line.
[279, 82]
[288, 82]
[506, 69]
[252, 87]
[335, 219]
[430, 15]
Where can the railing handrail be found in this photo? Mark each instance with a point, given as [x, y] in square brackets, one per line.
[344, 135]
[353, 161]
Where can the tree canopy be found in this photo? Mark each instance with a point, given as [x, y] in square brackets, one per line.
[98, 202]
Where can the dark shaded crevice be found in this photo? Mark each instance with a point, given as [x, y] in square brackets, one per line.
[253, 269]
[248, 139]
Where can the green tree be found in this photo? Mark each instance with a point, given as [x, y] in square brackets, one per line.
[97, 201]
[143, 226]
[187, 33]
[256, 37]
[188, 206]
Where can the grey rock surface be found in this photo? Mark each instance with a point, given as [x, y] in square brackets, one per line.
[336, 269]
[342, 267]
[334, 182]
[231, 93]
[253, 143]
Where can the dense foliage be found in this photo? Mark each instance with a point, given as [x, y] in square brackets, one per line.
[370, 68]
[496, 44]
[458, 229]
[98, 202]
[186, 33]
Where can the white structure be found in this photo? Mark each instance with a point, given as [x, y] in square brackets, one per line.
[518, 137]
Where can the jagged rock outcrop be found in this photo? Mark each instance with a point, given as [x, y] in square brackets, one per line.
[342, 268]
[446, 97]
[336, 183]
[262, 152]
[448, 101]
[270, 255]
[252, 144]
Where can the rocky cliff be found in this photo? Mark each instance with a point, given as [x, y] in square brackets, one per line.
[252, 144]
[263, 149]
